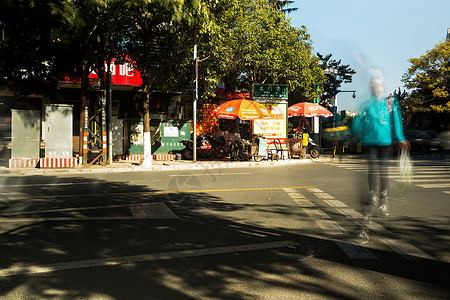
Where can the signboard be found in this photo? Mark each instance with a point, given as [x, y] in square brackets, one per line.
[270, 92]
[334, 111]
[170, 131]
[273, 128]
[123, 74]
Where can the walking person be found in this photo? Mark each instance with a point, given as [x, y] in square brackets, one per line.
[379, 123]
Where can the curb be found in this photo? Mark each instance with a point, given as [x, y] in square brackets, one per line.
[158, 167]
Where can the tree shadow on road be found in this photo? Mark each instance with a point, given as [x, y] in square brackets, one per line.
[313, 268]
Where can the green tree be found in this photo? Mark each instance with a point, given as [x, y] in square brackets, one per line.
[336, 74]
[160, 43]
[428, 78]
[283, 5]
[30, 60]
[255, 43]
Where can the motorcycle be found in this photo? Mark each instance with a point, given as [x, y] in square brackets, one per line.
[207, 147]
[312, 149]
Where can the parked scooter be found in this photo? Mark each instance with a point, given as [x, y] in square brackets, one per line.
[312, 149]
[207, 147]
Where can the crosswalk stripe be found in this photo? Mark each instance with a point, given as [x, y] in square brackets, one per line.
[335, 203]
[430, 180]
[350, 212]
[406, 250]
[434, 185]
[323, 195]
[352, 250]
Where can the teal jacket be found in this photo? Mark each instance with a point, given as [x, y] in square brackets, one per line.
[376, 125]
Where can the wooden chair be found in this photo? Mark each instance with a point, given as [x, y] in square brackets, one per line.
[277, 153]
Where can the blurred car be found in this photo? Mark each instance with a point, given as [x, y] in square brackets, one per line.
[423, 141]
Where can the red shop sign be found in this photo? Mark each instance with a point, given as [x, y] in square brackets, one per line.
[123, 74]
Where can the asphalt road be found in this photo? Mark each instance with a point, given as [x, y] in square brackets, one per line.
[282, 232]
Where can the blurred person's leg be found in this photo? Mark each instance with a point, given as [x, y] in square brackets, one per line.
[383, 154]
[383, 158]
[371, 157]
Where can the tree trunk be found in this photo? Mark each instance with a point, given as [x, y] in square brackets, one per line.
[147, 161]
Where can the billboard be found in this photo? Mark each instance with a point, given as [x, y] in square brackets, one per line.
[273, 128]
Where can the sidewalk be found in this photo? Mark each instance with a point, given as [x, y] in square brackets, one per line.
[126, 166]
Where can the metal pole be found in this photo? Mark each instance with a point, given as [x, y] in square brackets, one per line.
[109, 111]
[194, 158]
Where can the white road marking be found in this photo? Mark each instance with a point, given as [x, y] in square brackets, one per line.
[315, 190]
[429, 180]
[330, 227]
[296, 195]
[403, 248]
[304, 203]
[155, 210]
[323, 196]
[415, 176]
[335, 203]
[210, 174]
[354, 251]
[434, 185]
[350, 213]
[113, 261]
[293, 193]
[315, 213]
[49, 184]
[406, 250]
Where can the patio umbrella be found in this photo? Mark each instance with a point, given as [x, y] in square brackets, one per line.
[243, 108]
[308, 109]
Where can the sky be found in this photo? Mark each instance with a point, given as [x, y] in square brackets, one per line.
[373, 35]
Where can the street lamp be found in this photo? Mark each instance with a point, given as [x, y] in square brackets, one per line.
[335, 106]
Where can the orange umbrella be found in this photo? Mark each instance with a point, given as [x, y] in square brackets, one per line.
[308, 109]
[243, 108]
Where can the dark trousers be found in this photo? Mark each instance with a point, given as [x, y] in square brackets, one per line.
[378, 162]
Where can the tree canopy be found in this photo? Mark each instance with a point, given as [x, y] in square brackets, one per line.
[255, 43]
[239, 42]
[428, 78]
[336, 74]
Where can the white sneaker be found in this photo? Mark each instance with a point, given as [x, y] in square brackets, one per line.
[362, 236]
[384, 210]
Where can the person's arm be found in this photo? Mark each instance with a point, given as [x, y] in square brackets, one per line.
[398, 125]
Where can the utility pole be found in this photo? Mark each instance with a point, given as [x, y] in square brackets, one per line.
[194, 157]
[109, 111]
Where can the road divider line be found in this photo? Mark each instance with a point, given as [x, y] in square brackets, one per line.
[210, 174]
[114, 261]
